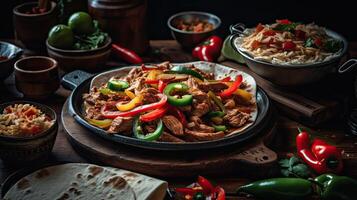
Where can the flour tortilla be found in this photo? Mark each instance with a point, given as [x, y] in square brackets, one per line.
[86, 181]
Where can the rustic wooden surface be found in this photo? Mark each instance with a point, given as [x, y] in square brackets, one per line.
[286, 128]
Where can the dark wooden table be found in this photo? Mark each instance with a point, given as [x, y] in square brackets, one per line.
[169, 50]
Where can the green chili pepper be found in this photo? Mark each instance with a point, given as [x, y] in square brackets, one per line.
[177, 87]
[279, 189]
[184, 70]
[138, 131]
[333, 187]
[117, 85]
[107, 91]
[217, 101]
[220, 127]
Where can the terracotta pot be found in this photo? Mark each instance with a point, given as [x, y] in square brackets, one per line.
[16, 149]
[123, 20]
[88, 60]
[32, 29]
[36, 76]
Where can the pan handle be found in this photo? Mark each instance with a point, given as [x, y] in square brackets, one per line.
[237, 29]
[75, 78]
[351, 63]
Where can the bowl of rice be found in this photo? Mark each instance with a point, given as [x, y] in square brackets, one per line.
[289, 53]
[27, 131]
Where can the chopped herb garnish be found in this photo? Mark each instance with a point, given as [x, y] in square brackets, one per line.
[286, 27]
[332, 45]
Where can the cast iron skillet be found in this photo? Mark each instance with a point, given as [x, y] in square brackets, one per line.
[80, 82]
[292, 74]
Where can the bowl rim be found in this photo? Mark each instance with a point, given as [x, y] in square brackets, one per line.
[296, 66]
[18, 52]
[16, 67]
[107, 43]
[16, 11]
[39, 106]
[197, 13]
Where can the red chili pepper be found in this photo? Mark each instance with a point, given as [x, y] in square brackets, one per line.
[269, 32]
[322, 157]
[126, 54]
[206, 185]
[218, 194]
[288, 46]
[300, 34]
[228, 92]
[155, 114]
[209, 50]
[135, 111]
[283, 21]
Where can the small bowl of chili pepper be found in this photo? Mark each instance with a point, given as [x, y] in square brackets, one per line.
[192, 27]
[9, 53]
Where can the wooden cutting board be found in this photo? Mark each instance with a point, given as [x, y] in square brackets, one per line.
[252, 159]
[312, 104]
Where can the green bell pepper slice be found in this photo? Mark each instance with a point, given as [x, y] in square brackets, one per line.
[215, 114]
[117, 85]
[138, 131]
[179, 69]
[217, 101]
[175, 101]
[333, 187]
[220, 127]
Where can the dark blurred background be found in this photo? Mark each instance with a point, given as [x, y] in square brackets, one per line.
[336, 15]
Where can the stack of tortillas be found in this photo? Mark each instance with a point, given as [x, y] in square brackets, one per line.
[86, 181]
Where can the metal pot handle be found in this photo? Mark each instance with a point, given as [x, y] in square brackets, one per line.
[237, 29]
[347, 65]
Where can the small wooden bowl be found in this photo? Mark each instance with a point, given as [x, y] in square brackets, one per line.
[13, 53]
[32, 29]
[88, 60]
[37, 76]
[15, 149]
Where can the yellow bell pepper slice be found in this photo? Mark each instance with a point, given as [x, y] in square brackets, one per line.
[105, 123]
[153, 76]
[244, 94]
[130, 94]
[132, 104]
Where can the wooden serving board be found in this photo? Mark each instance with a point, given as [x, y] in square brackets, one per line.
[253, 159]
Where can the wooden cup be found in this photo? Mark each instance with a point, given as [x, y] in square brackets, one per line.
[37, 76]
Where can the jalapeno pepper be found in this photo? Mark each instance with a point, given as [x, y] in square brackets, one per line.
[220, 127]
[138, 131]
[179, 69]
[333, 187]
[175, 101]
[278, 188]
[107, 91]
[228, 92]
[117, 85]
[321, 157]
[133, 112]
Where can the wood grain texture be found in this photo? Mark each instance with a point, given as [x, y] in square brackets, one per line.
[169, 50]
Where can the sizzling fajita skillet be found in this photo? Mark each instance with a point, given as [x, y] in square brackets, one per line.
[81, 82]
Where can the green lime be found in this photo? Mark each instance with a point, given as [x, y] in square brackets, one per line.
[81, 23]
[61, 36]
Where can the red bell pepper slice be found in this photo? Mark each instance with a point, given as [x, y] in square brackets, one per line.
[218, 194]
[259, 28]
[227, 79]
[209, 50]
[135, 111]
[206, 185]
[155, 114]
[161, 86]
[269, 32]
[126, 54]
[228, 92]
[178, 114]
[144, 68]
[288, 46]
[283, 21]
